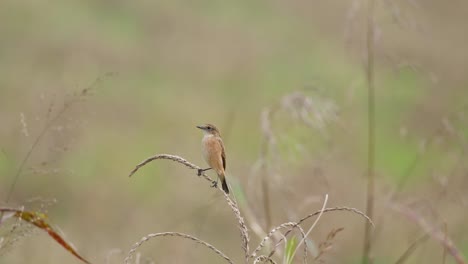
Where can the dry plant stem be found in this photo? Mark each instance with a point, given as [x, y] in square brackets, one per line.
[263, 258]
[444, 256]
[433, 231]
[276, 229]
[235, 209]
[242, 227]
[266, 198]
[326, 210]
[254, 225]
[313, 225]
[412, 248]
[173, 158]
[327, 244]
[46, 128]
[371, 132]
[31, 149]
[266, 117]
[174, 234]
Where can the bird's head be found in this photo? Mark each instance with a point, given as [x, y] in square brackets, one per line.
[209, 129]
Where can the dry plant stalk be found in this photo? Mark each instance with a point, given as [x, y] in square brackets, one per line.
[242, 226]
[412, 247]
[314, 113]
[353, 210]
[313, 225]
[169, 157]
[263, 258]
[17, 231]
[327, 244]
[174, 234]
[81, 95]
[371, 129]
[276, 229]
[232, 204]
[433, 231]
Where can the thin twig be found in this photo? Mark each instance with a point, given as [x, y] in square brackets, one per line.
[173, 158]
[435, 232]
[412, 248]
[444, 255]
[174, 234]
[313, 225]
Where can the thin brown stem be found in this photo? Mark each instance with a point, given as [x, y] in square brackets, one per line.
[175, 234]
[435, 233]
[412, 248]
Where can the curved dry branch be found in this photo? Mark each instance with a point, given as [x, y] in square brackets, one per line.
[174, 234]
[326, 210]
[339, 208]
[276, 229]
[235, 209]
[173, 158]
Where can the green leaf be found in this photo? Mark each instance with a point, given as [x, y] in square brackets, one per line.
[290, 249]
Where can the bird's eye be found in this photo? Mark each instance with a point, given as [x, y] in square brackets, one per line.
[209, 128]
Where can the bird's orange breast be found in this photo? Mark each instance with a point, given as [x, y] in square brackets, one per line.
[212, 151]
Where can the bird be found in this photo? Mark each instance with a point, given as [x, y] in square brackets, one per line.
[214, 153]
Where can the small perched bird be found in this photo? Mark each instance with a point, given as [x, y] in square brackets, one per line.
[213, 153]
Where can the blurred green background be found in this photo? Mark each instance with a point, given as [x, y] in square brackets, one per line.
[156, 69]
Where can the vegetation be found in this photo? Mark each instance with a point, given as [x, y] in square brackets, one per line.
[344, 124]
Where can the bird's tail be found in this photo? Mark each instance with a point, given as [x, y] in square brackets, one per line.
[224, 185]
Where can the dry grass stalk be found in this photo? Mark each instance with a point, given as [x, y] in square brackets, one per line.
[444, 256]
[412, 247]
[276, 229]
[339, 208]
[174, 234]
[434, 232]
[242, 227]
[326, 245]
[263, 258]
[353, 210]
[17, 231]
[232, 204]
[370, 77]
[313, 225]
[80, 96]
[173, 158]
[313, 112]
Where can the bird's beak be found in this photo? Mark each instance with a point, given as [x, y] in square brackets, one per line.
[201, 127]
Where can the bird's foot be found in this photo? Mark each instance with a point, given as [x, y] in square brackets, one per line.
[200, 171]
[214, 184]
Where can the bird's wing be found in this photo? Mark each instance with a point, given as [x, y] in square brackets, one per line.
[223, 153]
